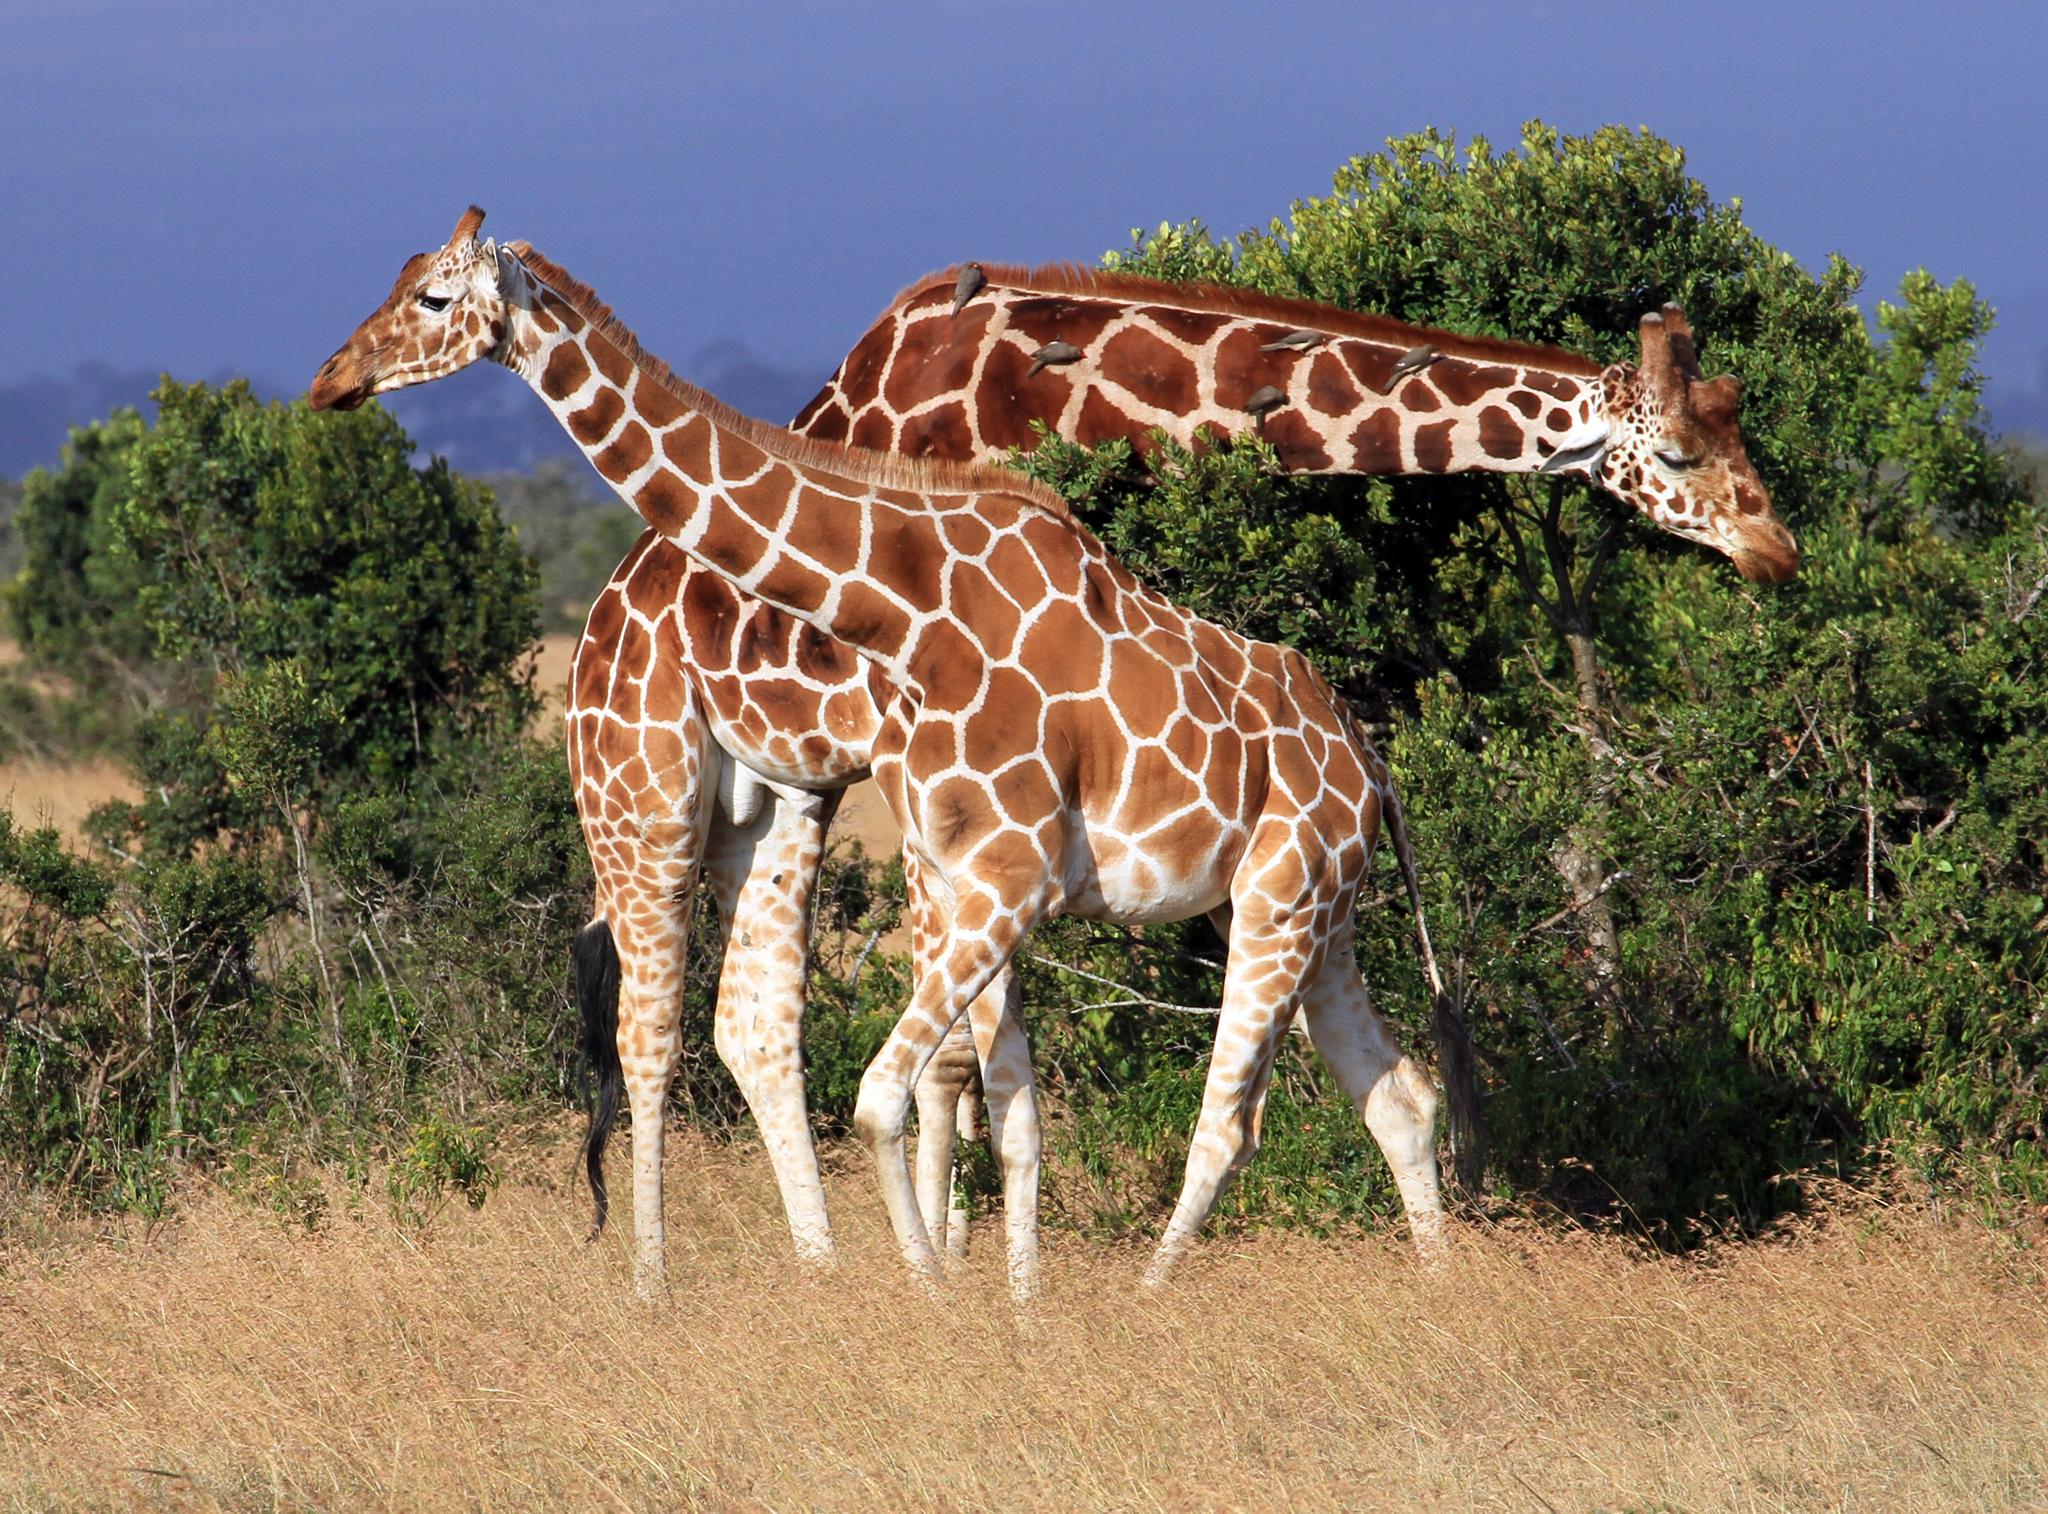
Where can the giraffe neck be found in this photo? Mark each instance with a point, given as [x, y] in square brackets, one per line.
[852, 543]
[1345, 411]
[1138, 355]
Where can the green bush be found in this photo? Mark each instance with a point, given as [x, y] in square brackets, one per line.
[1815, 811]
[342, 901]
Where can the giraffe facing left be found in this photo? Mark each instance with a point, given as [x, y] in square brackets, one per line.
[1056, 737]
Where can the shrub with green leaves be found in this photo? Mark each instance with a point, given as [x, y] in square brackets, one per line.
[1812, 814]
[344, 897]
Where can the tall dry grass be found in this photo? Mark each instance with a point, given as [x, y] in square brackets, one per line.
[226, 1359]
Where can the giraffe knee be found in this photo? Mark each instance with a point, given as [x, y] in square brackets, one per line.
[1224, 1146]
[729, 1036]
[1021, 1139]
[1401, 1111]
[879, 1112]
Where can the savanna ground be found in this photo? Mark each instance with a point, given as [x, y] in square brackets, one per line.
[1875, 1357]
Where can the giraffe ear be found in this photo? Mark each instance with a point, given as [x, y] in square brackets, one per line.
[1716, 401]
[1581, 447]
[484, 270]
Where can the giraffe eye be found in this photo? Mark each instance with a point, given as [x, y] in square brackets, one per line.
[1677, 462]
[434, 302]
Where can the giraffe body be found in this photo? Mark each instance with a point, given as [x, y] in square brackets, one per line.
[1059, 736]
[947, 371]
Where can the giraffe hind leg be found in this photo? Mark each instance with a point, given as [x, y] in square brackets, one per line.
[1393, 1094]
[963, 965]
[1262, 987]
[940, 1088]
[943, 1084]
[997, 1018]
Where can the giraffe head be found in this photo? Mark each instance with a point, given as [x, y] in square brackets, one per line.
[1668, 442]
[443, 314]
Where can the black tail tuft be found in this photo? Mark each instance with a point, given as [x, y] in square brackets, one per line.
[597, 996]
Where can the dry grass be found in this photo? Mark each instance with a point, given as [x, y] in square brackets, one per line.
[1876, 1361]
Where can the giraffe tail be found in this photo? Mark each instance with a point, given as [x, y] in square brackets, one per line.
[1456, 1061]
[597, 996]
[1404, 854]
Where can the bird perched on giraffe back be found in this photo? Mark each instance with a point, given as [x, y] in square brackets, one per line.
[969, 284]
[1414, 360]
[1296, 341]
[1051, 355]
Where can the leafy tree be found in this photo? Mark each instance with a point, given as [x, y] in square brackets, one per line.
[265, 533]
[351, 633]
[72, 604]
[1752, 966]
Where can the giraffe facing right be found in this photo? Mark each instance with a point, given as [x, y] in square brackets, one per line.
[953, 369]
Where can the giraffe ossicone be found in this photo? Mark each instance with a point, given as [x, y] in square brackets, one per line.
[1056, 737]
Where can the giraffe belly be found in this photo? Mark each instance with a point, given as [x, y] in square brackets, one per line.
[1150, 880]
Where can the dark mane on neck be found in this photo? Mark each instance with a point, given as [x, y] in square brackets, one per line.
[1227, 299]
[886, 470]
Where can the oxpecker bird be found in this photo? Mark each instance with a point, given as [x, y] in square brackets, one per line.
[1051, 353]
[1414, 360]
[1297, 341]
[1264, 401]
[968, 285]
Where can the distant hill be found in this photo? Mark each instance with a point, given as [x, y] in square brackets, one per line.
[480, 422]
[2018, 410]
[485, 423]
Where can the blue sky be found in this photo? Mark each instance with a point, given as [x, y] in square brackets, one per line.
[231, 186]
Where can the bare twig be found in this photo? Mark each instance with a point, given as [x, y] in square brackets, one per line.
[1135, 998]
[1576, 905]
[861, 958]
[2026, 602]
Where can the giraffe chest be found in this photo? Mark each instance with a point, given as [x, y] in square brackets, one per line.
[794, 706]
[793, 728]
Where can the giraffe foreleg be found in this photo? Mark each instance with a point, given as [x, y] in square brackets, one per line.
[764, 874]
[646, 844]
[652, 934]
[981, 933]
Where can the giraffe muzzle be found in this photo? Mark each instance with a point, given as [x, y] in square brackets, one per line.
[1766, 554]
[339, 384]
